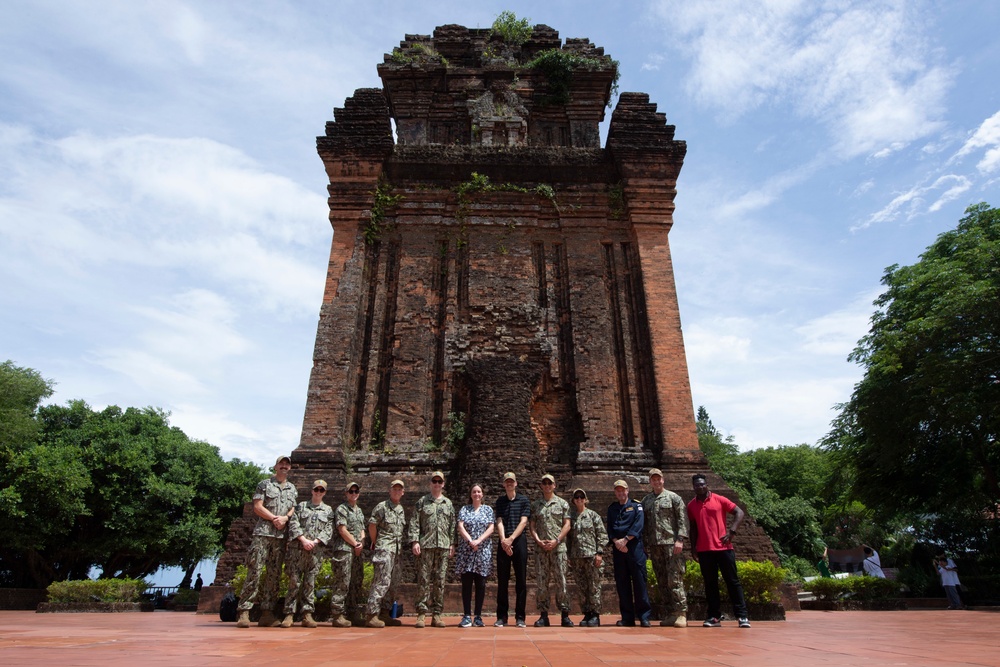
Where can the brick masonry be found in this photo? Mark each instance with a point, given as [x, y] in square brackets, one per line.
[536, 318]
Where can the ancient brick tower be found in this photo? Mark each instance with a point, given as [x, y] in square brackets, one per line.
[500, 293]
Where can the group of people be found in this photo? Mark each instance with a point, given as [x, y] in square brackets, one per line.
[568, 537]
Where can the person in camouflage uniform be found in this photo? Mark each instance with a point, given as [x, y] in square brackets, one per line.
[432, 534]
[310, 530]
[385, 529]
[273, 503]
[587, 537]
[664, 533]
[346, 563]
[549, 524]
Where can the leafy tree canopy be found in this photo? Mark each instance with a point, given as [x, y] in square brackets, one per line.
[920, 430]
[118, 489]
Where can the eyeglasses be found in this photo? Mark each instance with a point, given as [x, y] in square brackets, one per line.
[319, 489]
[354, 491]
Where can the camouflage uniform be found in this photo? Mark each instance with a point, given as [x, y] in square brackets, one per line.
[433, 525]
[548, 517]
[390, 523]
[315, 522]
[587, 538]
[666, 521]
[267, 548]
[346, 568]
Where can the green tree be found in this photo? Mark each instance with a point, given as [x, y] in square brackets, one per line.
[920, 430]
[118, 489]
[779, 486]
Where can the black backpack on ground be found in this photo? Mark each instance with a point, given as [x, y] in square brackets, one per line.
[228, 607]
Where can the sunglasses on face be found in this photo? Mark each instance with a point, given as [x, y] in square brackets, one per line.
[354, 491]
[578, 498]
[319, 489]
[547, 483]
[437, 481]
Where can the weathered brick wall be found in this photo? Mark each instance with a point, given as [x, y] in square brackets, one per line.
[540, 312]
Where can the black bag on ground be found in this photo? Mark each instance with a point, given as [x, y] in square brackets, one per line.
[228, 607]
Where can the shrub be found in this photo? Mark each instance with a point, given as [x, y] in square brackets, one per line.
[510, 29]
[858, 588]
[99, 590]
[828, 588]
[760, 580]
[799, 568]
[186, 596]
[873, 588]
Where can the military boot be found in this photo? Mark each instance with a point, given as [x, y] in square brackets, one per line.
[244, 620]
[340, 621]
[567, 622]
[585, 622]
[668, 621]
[287, 621]
[437, 622]
[595, 621]
[307, 620]
[388, 619]
[681, 621]
[420, 621]
[375, 622]
[267, 620]
[543, 620]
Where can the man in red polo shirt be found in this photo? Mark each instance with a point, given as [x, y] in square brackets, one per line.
[712, 548]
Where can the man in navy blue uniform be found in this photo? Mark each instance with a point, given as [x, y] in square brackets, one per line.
[625, 521]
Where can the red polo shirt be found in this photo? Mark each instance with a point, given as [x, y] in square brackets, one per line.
[710, 518]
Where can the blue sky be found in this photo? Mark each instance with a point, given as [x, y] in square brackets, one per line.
[163, 224]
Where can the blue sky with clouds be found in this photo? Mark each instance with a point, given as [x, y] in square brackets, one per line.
[163, 224]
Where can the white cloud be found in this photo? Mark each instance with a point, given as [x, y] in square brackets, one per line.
[987, 134]
[914, 201]
[837, 333]
[863, 68]
[163, 205]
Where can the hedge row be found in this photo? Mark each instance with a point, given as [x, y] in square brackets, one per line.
[99, 590]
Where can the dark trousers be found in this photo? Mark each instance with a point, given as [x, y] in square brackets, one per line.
[519, 561]
[712, 563]
[630, 582]
[468, 579]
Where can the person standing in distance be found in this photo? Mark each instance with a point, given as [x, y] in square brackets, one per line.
[273, 503]
[625, 523]
[587, 537]
[512, 510]
[712, 548]
[432, 534]
[385, 530]
[949, 579]
[310, 530]
[347, 568]
[549, 526]
[664, 535]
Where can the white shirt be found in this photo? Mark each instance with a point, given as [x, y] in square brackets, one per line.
[873, 566]
[949, 575]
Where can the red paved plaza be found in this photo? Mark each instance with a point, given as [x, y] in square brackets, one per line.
[812, 638]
